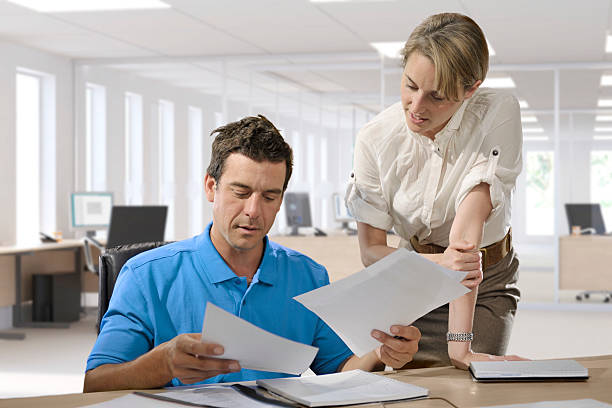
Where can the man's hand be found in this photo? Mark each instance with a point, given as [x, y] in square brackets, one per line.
[397, 350]
[190, 360]
[465, 257]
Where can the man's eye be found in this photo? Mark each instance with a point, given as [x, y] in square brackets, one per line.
[269, 198]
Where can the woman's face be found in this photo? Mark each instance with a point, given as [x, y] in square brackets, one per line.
[427, 112]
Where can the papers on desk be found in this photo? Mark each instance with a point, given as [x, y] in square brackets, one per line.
[495, 371]
[398, 289]
[252, 347]
[351, 387]
[582, 403]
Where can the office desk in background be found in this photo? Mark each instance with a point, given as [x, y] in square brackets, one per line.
[18, 264]
[449, 383]
[585, 262]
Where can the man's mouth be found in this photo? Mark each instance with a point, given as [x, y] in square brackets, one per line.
[248, 227]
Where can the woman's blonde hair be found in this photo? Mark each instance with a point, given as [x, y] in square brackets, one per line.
[457, 48]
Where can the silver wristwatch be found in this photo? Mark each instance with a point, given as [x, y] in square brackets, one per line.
[459, 336]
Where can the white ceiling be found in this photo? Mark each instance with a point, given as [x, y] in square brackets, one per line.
[321, 51]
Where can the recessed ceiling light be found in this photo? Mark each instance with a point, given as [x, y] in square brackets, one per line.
[602, 137]
[62, 6]
[523, 104]
[606, 80]
[603, 118]
[390, 49]
[533, 130]
[529, 119]
[604, 103]
[499, 82]
[603, 129]
[535, 138]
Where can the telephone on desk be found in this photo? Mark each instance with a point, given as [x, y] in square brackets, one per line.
[44, 238]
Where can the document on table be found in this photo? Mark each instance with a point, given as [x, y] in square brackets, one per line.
[538, 370]
[398, 289]
[581, 403]
[252, 347]
[350, 387]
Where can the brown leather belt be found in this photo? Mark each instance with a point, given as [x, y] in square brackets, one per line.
[491, 254]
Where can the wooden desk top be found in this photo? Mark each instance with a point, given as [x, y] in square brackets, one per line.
[36, 247]
[448, 383]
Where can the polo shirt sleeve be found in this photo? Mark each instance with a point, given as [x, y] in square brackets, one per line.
[332, 350]
[499, 159]
[364, 195]
[126, 329]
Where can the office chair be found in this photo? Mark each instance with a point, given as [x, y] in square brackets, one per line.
[111, 262]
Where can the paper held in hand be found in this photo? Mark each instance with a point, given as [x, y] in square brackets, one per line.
[252, 347]
[398, 289]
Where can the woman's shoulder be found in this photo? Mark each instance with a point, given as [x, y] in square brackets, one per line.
[487, 100]
[387, 125]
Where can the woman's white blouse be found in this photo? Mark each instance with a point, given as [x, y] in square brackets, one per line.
[415, 185]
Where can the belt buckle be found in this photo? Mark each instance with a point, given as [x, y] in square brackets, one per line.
[483, 264]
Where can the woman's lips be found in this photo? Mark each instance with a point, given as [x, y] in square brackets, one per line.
[416, 119]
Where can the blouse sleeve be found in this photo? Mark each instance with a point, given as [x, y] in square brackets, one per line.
[364, 195]
[499, 159]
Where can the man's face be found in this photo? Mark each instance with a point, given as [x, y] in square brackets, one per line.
[245, 202]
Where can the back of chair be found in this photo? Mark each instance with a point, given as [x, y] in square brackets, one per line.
[111, 262]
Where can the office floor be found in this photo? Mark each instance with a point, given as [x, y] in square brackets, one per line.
[51, 361]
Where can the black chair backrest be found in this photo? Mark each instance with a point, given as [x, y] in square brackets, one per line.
[111, 262]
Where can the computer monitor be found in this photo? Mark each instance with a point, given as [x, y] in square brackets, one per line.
[132, 224]
[342, 214]
[297, 210]
[90, 211]
[585, 216]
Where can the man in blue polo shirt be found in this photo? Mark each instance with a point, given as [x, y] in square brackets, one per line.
[150, 336]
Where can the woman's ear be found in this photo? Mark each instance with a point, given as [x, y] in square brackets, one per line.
[468, 94]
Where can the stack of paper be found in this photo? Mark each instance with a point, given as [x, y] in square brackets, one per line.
[528, 370]
[398, 289]
[351, 387]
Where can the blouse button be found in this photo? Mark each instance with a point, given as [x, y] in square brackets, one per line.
[495, 152]
[352, 175]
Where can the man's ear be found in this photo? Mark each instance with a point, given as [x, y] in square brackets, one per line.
[210, 185]
[468, 94]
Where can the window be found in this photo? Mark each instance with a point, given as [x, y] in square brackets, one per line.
[196, 170]
[95, 137]
[133, 149]
[539, 193]
[601, 183]
[28, 157]
[166, 161]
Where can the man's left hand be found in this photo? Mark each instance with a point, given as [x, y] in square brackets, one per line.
[399, 349]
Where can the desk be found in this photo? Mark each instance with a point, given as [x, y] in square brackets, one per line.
[443, 382]
[585, 262]
[44, 262]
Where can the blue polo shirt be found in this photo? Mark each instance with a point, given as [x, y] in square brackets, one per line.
[163, 292]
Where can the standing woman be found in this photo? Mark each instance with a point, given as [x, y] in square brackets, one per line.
[439, 168]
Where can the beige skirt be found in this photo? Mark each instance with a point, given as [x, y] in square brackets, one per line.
[498, 296]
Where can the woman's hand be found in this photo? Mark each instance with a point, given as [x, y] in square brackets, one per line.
[463, 362]
[465, 257]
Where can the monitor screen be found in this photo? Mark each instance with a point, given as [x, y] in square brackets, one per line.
[341, 212]
[297, 209]
[90, 210]
[585, 216]
[132, 224]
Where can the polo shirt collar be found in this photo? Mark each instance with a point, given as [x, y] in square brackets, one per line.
[218, 271]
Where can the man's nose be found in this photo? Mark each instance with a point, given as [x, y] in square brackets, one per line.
[252, 207]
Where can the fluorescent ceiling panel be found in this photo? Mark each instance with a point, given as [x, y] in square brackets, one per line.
[62, 6]
[529, 119]
[606, 80]
[602, 137]
[603, 129]
[603, 118]
[533, 130]
[604, 103]
[499, 82]
[389, 49]
[491, 50]
[523, 104]
[535, 138]
[609, 43]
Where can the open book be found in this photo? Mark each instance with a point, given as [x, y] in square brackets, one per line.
[543, 370]
[350, 387]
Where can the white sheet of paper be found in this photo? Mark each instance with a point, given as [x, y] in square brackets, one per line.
[252, 347]
[398, 289]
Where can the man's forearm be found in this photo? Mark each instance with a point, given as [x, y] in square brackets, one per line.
[147, 371]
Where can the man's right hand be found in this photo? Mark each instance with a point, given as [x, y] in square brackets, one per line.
[190, 360]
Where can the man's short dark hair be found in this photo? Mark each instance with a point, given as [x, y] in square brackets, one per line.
[254, 137]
